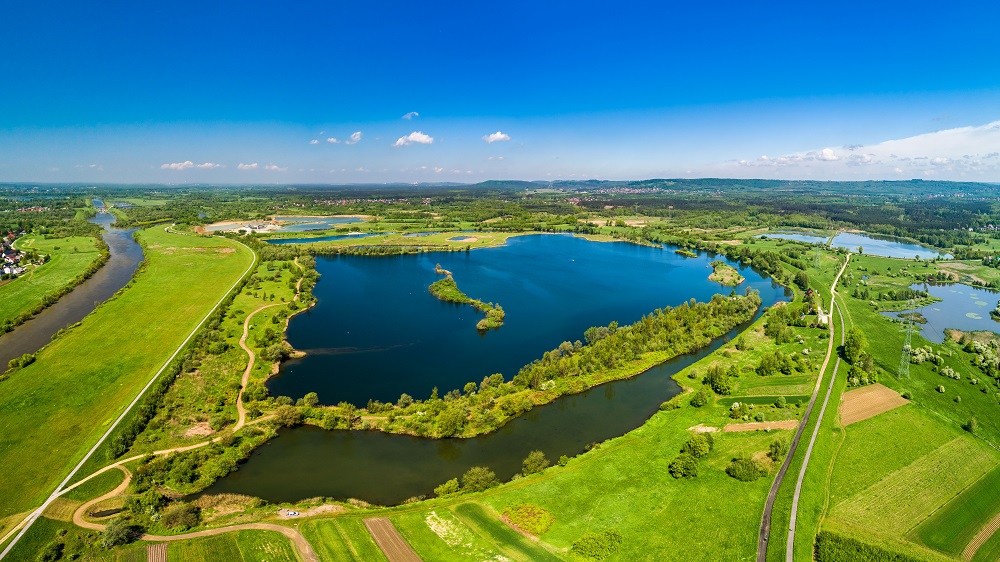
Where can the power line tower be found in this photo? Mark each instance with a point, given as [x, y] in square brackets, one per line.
[904, 358]
[816, 263]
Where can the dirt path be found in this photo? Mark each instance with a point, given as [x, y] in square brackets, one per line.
[393, 545]
[298, 541]
[78, 519]
[252, 358]
[765, 521]
[756, 426]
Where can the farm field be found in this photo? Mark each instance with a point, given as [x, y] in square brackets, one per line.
[870, 401]
[81, 381]
[246, 546]
[70, 257]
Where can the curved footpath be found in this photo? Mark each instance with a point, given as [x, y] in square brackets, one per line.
[300, 543]
[765, 522]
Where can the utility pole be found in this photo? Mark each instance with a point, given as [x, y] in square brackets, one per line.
[904, 359]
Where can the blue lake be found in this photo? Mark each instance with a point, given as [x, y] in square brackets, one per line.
[377, 332]
[797, 236]
[884, 246]
[325, 238]
[962, 307]
[304, 224]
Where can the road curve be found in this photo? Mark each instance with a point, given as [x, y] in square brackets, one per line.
[765, 521]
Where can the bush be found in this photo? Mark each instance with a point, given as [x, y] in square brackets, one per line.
[777, 450]
[479, 478]
[180, 516]
[288, 416]
[119, 531]
[449, 487]
[745, 469]
[529, 518]
[52, 551]
[598, 546]
[535, 462]
[971, 426]
[563, 460]
[699, 445]
[701, 397]
[684, 466]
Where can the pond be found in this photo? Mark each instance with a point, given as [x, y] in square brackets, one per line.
[962, 307]
[885, 246]
[73, 307]
[305, 224]
[382, 334]
[326, 238]
[797, 236]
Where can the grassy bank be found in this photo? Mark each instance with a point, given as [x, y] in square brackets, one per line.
[72, 260]
[55, 409]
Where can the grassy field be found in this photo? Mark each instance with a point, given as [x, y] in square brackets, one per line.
[248, 546]
[342, 539]
[54, 410]
[954, 525]
[440, 535]
[70, 257]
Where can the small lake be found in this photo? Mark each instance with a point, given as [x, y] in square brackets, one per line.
[384, 334]
[962, 307]
[797, 236]
[885, 246]
[326, 238]
[73, 307]
[305, 224]
[375, 315]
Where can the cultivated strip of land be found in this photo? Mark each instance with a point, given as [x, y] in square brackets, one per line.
[393, 545]
[868, 402]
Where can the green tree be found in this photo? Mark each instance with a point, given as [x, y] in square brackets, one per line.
[310, 400]
[699, 445]
[684, 466]
[479, 478]
[288, 416]
[181, 516]
[534, 462]
[119, 531]
[449, 487]
[802, 280]
[854, 345]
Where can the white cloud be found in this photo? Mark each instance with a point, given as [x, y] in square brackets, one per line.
[438, 170]
[828, 155]
[243, 166]
[178, 165]
[497, 136]
[963, 153]
[332, 140]
[495, 158]
[187, 164]
[411, 115]
[414, 137]
[275, 168]
[314, 141]
[361, 169]
[355, 137]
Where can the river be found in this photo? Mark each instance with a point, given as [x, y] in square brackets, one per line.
[73, 307]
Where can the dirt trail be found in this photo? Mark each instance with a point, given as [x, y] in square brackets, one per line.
[298, 541]
[252, 358]
[393, 545]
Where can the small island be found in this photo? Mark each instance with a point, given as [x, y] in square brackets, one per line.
[725, 274]
[686, 253]
[447, 290]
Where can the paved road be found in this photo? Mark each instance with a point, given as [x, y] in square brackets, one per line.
[790, 545]
[765, 521]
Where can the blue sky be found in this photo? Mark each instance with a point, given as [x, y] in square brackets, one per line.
[236, 92]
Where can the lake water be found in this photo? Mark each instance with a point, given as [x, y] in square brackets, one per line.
[375, 317]
[377, 332]
[884, 246]
[962, 307]
[73, 307]
[304, 224]
[325, 238]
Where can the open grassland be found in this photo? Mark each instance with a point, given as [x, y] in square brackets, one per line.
[247, 546]
[55, 409]
[439, 535]
[342, 539]
[952, 527]
[70, 257]
[904, 498]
